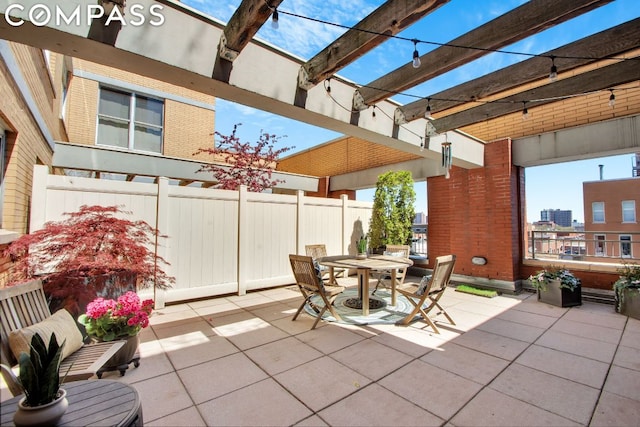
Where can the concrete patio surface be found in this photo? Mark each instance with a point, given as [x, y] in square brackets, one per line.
[509, 360]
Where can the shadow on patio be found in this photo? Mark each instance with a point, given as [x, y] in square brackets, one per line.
[509, 361]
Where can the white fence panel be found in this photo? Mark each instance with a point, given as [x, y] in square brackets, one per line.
[357, 217]
[202, 249]
[322, 223]
[268, 237]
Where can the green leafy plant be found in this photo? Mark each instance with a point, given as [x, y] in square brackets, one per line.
[362, 245]
[629, 280]
[542, 278]
[39, 374]
[393, 210]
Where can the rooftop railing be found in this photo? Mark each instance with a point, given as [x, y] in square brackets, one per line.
[601, 246]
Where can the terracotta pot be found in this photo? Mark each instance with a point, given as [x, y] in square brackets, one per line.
[44, 415]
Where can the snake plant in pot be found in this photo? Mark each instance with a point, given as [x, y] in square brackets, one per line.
[44, 402]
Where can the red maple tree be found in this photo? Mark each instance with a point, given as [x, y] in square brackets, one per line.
[244, 163]
[93, 242]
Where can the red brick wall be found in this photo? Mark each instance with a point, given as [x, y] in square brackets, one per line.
[477, 212]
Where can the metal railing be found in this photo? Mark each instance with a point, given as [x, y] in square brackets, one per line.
[600, 246]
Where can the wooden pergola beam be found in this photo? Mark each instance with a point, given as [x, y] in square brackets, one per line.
[518, 24]
[598, 79]
[243, 25]
[607, 43]
[388, 20]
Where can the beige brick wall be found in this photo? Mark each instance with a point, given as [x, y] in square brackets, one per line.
[26, 145]
[570, 112]
[344, 155]
[186, 127]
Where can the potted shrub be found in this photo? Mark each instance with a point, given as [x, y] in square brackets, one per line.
[557, 286]
[44, 402]
[95, 252]
[627, 291]
[108, 320]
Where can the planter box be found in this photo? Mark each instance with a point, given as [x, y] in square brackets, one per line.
[560, 297]
[630, 304]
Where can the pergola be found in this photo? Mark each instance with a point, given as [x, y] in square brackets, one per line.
[198, 52]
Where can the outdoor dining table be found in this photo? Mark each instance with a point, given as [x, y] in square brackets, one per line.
[363, 267]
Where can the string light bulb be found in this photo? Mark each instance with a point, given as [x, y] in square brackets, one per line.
[327, 86]
[553, 74]
[416, 55]
[525, 111]
[421, 144]
[427, 113]
[274, 19]
[612, 99]
[373, 114]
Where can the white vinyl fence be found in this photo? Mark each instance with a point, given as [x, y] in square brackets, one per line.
[219, 241]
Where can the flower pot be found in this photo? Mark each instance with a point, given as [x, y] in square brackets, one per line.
[44, 415]
[121, 360]
[560, 297]
[628, 302]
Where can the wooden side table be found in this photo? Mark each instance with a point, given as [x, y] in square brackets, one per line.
[91, 402]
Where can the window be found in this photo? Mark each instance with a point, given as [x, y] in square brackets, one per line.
[628, 211]
[3, 149]
[625, 246]
[601, 245]
[597, 209]
[130, 121]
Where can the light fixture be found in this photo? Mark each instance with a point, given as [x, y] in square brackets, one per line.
[373, 114]
[327, 86]
[612, 99]
[447, 159]
[553, 74]
[427, 113]
[525, 111]
[421, 144]
[416, 55]
[274, 19]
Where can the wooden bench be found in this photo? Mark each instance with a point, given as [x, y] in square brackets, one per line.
[24, 305]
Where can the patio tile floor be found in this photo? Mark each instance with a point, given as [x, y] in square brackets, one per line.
[509, 360]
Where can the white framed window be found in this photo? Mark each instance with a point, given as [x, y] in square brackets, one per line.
[601, 244]
[625, 246]
[597, 210]
[130, 121]
[628, 211]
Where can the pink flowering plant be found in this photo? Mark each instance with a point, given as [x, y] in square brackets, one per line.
[108, 320]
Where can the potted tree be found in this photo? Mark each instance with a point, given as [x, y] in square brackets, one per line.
[95, 252]
[393, 211]
[557, 286]
[44, 402]
[627, 291]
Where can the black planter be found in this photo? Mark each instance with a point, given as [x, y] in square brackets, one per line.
[560, 297]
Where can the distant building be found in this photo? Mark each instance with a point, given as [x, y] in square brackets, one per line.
[611, 217]
[560, 217]
[420, 218]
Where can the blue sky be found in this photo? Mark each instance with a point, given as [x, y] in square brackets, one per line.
[547, 187]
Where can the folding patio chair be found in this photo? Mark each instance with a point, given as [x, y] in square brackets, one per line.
[318, 251]
[383, 276]
[429, 291]
[310, 285]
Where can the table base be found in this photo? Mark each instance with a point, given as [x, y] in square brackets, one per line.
[356, 303]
